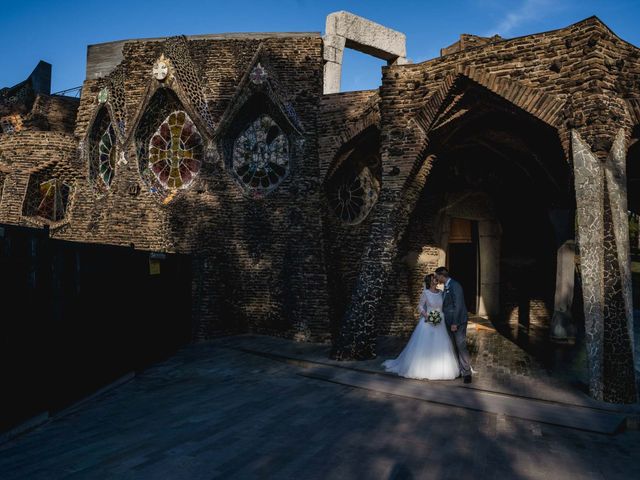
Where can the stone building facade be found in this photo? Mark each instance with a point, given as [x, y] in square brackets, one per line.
[315, 214]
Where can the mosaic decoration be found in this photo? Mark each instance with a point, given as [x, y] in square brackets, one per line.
[260, 157]
[103, 95]
[176, 49]
[116, 98]
[175, 151]
[604, 252]
[102, 151]
[354, 188]
[11, 124]
[258, 74]
[160, 69]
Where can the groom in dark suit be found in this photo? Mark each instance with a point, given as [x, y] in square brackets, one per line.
[455, 317]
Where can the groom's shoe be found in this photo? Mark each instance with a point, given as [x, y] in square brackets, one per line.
[467, 379]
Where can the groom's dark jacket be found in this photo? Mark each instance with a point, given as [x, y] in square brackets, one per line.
[453, 304]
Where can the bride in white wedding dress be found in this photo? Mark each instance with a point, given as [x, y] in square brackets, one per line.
[429, 354]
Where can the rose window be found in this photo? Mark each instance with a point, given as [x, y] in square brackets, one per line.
[261, 155]
[353, 197]
[175, 151]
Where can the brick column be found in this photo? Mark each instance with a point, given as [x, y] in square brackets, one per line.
[357, 337]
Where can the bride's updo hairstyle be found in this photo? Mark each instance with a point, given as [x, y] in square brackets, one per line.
[427, 280]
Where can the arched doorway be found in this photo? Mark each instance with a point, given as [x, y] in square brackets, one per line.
[498, 210]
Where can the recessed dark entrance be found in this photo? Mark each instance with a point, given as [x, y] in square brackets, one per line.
[463, 258]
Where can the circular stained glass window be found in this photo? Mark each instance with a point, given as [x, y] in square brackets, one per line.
[354, 194]
[175, 151]
[261, 155]
[107, 156]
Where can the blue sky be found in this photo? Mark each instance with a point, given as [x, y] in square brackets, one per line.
[58, 31]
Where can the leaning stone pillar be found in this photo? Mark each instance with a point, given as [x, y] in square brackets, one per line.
[603, 234]
[489, 233]
[562, 324]
[357, 337]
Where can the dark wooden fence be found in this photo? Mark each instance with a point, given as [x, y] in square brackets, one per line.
[75, 317]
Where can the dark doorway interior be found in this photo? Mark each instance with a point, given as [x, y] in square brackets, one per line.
[463, 258]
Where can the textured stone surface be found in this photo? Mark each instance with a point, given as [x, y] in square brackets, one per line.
[285, 263]
[213, 412]
[604, 252]
[590, 212]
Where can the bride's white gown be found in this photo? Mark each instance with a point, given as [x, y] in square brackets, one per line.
[429, 353]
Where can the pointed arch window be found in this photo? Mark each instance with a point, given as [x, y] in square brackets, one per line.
[258, 144]
[169, 145]
[261, 154]
[354, 187]
[102, 151]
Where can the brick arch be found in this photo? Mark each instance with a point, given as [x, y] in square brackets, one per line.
[391, 217]
[349, 133]
[546, 108]
[350, 139]
[99, 109]
[260, 79]
[633, 105]
[173, 84]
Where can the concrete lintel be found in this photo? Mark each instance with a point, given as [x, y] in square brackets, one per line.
[366, 36]
[346, 30]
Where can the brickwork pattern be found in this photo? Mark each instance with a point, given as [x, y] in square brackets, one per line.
[285, 264]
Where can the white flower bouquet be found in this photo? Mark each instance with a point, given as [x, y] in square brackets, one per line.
[434, 317]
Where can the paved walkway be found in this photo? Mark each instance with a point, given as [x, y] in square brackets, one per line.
[213, 411]
[500, 365]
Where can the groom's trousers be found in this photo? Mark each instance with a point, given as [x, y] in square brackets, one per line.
[459, 340]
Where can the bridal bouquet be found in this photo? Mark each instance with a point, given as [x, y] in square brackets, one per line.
[434, 317]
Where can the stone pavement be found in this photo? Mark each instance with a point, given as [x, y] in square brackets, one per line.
[499, 364]
[213, 411]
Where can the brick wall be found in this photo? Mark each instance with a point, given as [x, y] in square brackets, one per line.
[285, 264]
[258, 264]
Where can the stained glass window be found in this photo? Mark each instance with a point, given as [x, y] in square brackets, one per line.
[354, 186]
[175, 151]
[261, 155]
[107, 155]
[354, 194]
[50, 200]
[102, 148]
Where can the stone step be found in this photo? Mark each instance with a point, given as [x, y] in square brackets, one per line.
[526, 408]
[579, 418]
